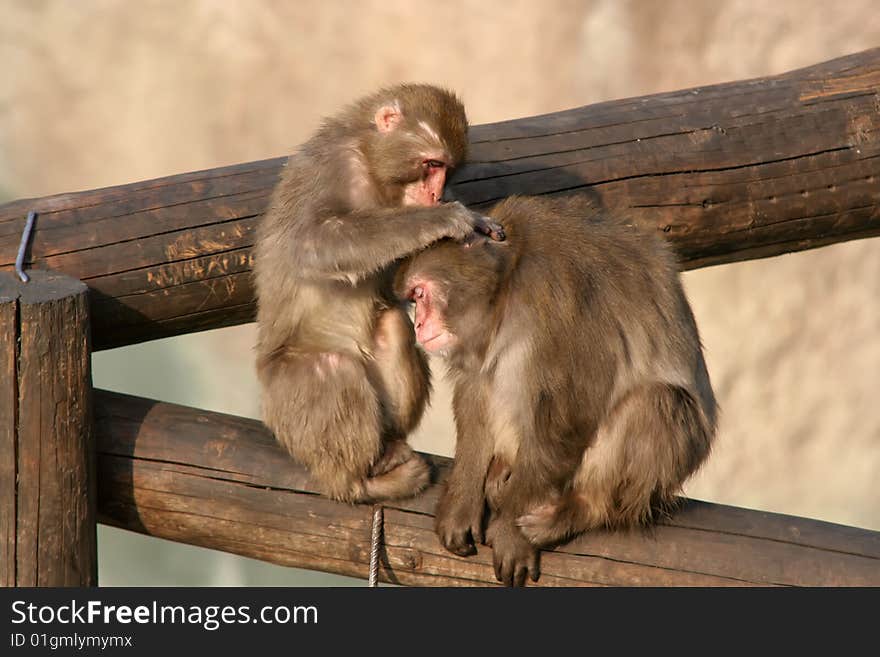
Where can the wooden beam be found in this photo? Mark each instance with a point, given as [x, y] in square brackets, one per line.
[47, 449]
[727, 172]
[222, 482]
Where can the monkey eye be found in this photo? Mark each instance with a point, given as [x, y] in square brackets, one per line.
[434, 164]
[418, 292]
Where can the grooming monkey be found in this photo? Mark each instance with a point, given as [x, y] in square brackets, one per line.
[581, 396]
[343, 383]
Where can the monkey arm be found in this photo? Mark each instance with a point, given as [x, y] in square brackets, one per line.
[460, 510]
[359, 243]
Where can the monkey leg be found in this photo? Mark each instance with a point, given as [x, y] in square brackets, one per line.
[400, 375]
[650, 442]
[324, 410]
[510, 488]
[461, 508]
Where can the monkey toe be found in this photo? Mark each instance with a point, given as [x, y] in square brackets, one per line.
[513, 558]
[395, 454]
[513, 570]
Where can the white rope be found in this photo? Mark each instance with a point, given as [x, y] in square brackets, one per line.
[375, 540]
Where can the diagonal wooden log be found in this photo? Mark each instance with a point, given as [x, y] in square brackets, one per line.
[223, 482]
[728, 172]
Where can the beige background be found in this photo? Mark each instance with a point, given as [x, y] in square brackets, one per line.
[100, 92]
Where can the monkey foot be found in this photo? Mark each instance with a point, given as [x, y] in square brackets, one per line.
[542, 525]
[396, 452]
[405, 480]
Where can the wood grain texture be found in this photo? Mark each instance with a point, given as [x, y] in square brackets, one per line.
[727, 172]
[47, 487]
[8, 422]
[223, 482]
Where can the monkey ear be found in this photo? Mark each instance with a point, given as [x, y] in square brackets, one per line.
[387, 117]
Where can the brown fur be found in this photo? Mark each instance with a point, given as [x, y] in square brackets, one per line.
[581, 395]
[343, 383]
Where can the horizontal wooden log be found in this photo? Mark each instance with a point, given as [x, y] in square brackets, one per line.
[222, 482]
[727, 172]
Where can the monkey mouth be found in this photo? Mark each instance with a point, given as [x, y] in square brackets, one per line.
[431, 331]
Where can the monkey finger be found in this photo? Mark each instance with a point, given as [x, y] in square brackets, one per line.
[535, 566]
[507, 567]
[519, 579]
[458, 543]
[462, 549]
[466, 550]
[477, 534]
[497, 564]
[488, 227]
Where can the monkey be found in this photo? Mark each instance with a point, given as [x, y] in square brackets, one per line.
[581, 395]
[342, 381]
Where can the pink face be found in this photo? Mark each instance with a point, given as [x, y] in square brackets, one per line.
[431, 332]
[429, 189]
[435, 162]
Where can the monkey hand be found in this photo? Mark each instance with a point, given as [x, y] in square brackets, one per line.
[459, 524]
[468, 222]
[512, 555]
[485, 226]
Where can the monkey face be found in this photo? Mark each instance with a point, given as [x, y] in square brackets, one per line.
[411, 164]
[431, 331]
[452, 285]
[419, 136]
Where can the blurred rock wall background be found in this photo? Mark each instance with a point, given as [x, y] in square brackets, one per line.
[102, 92]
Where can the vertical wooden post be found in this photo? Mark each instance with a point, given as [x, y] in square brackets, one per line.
[47, 447]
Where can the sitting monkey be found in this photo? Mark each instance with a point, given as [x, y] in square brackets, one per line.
[342, 382]
[581, 398]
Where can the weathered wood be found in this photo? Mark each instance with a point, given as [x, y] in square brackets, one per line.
[47, 451]
[8, 399]
[222, 482]
[728, 172]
